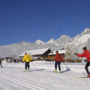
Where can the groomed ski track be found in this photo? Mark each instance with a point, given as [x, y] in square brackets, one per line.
[24, 82]
[42, 77]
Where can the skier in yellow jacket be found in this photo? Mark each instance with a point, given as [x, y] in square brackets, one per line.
[27, 58]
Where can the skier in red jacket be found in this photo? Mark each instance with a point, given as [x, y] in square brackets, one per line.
[86, 53]
[58, 59]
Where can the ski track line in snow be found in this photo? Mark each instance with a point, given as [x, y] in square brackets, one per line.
[29, 84]
[24, 84]
[31, 81]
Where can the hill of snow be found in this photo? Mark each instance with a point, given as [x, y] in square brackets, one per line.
[42, 77]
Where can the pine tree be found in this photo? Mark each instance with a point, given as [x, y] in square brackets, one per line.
[88, 44]
[68, 53]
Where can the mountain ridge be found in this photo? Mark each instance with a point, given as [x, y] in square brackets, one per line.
[15, 49]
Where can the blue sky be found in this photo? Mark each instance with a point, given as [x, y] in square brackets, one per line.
[30, 20]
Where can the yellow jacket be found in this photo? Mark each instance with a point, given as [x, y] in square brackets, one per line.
[27, 58]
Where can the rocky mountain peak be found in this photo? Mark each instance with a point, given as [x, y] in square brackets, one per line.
[51, 40]
[39, 42]
[86, 31]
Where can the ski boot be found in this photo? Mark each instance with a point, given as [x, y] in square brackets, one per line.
[60, 71]
[55, 70]
[25, 70]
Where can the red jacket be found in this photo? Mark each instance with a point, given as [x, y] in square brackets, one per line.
[86, 54]
[58, 57]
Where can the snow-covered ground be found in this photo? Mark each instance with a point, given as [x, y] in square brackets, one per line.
[42, 77]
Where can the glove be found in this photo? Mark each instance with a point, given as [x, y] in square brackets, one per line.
[75, 53]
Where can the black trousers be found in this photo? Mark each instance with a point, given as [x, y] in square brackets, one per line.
[86, 67]
[27, 66]
[57, 63]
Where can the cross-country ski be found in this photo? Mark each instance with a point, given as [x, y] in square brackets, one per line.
[83, 77]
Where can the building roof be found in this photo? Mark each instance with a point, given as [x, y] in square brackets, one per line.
[36, 52]
[59, 51]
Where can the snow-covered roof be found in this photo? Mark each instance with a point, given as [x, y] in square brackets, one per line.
[59, 51]
[35, 52]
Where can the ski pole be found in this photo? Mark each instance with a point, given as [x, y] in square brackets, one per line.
[66, 66]
[34, 66]
[83, 61]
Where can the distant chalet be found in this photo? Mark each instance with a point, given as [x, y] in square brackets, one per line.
[42, 54]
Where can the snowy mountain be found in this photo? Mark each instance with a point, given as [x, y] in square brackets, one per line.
[86, 31]
[76, 43]
[63, 40]
[38, 42]
[80, 41]
[14, 49]
[52, 41]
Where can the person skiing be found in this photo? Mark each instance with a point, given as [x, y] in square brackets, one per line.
[1, 63]
[86, 53]
[27, 58]
[58, 59]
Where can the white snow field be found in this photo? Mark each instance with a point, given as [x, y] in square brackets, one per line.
[42, 77]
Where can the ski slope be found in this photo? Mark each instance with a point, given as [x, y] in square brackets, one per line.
[42, 77]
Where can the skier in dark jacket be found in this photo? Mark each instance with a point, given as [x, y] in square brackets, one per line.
[58, 59]
[86, 53]
[1, 63]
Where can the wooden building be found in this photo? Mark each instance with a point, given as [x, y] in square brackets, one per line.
[37, 54]
[51, 56]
